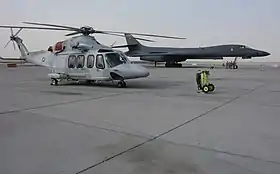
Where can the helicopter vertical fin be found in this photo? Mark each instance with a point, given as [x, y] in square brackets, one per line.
[22, 48]
[14, 38]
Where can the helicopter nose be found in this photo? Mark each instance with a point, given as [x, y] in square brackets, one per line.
[131, 71]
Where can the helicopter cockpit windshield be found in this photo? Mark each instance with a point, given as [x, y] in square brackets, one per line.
[115, 59]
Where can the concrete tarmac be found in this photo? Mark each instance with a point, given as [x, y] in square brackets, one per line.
[65, 129]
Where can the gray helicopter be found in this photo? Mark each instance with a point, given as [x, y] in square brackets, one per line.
[82, 57]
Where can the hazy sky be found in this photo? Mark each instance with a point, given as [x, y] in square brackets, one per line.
[255, 23]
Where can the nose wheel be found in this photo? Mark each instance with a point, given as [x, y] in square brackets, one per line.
[54, 82]
[121, 84]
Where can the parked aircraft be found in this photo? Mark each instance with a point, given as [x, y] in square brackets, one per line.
[174, 55]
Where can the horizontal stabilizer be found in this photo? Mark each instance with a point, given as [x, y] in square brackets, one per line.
[11, 58]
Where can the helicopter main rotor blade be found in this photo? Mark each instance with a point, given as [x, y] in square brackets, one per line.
[152, 35]
[42, 28]
[78, 30]
[147, 40]
[52, 25]
[18, 32]
[101, 31]
[73, 33]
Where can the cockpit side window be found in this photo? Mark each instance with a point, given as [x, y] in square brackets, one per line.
[243, 46]
[80, 61]
[71, 61]
[115, 59]
[123, 56]
[100, 64]
[90, 61]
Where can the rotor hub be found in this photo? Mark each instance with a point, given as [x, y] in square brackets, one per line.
[86, 30]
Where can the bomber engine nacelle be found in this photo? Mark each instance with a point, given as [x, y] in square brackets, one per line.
[246, 57]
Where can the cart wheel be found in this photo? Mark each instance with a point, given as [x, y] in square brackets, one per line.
[205, 89]
[211, 87]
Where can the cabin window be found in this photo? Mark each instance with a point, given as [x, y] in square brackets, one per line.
[80, 61]
[71, 61]
[100, 64]
[90, 61]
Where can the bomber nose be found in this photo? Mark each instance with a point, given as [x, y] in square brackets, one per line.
[263, 53]
[266, 53]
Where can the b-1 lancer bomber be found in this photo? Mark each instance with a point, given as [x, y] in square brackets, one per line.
[174, 55]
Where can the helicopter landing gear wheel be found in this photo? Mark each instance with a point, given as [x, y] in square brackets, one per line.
[54, 82]
[121, 84]
[205, 89]
[211, 87]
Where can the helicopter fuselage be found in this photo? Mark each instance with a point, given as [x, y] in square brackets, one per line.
[91, 65]
[83, 58]
[95, 65]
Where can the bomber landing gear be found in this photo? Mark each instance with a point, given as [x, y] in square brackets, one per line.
[173, 64]
[232, 64]
[121, 84]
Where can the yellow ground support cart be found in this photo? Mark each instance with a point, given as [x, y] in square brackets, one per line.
[205, 85]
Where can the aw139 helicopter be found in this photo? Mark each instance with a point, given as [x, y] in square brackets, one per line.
[82, 58]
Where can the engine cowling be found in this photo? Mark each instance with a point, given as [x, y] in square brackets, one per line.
[246, 57]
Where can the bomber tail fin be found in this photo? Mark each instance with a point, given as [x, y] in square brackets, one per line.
[132, 43]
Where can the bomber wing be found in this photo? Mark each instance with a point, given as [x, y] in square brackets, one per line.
[176, 54]
[173, 53]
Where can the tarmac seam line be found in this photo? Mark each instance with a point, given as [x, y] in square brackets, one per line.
[65, 103]
[168, 131]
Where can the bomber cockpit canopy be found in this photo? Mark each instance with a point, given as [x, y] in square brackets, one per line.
[243, 46]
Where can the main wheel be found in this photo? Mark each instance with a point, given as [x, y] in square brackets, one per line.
[54, 82]
[211, 87]
[121, 84]
[205, 89]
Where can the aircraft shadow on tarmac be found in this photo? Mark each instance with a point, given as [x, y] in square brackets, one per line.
[133, 84]
[63, 93]
[185, 66]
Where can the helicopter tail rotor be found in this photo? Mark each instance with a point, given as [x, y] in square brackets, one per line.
[12, 37]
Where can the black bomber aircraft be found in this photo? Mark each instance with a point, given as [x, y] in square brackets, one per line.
[174, 55]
